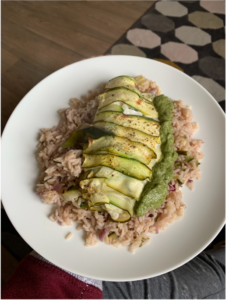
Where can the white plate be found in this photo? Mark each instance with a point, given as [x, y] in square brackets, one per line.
[180, 242]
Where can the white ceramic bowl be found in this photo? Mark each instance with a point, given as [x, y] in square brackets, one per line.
[180, 242]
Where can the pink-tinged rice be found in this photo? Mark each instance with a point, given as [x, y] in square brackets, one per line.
[60, 168]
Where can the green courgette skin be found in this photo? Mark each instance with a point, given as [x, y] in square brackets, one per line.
[129, 133]
[82, 135]
[126, 185]
[122, 147]
[111, 107]
[127, 166]
[129, 97]
[121, 81]
[101, 196]
[141, 123]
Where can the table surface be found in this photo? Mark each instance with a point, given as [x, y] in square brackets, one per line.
[39, 38]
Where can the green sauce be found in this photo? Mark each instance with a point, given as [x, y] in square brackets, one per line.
[155, 191]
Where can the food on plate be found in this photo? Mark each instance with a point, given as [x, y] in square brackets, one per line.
[117, 161]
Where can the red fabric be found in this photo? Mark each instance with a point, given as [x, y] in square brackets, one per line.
[36, 279]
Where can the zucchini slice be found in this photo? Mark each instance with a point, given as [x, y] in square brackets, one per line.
[127, 166]
[129, 133]
[112, 236]
[84, 205]
[140, 123]
[117, 214]
[182, 152]
[148, 97]
[111, 107]
[94, 191]
[75, 138]
[80, 136]
[121, 205]
[120, 200]
[97, 208]
[121, 81]
[129, 97]
[122, 147]
[130, 83]
[126, 185]
[71, 195]
[144, 96]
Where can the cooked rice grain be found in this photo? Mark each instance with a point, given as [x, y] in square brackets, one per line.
[68, 236]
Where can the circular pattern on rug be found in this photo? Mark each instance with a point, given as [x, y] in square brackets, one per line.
[172, 9]
[143, 38]
[217, 91]
[213, 67]
[158, 23]
[193, 36]
[205, 20]
[179, 52]
[219, 47]
[213, 6]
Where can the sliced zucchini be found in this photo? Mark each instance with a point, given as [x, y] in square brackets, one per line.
[127, 166]
[182, 152]
[140, 123]
[178, 165]
[111, 107]
[122, 147]
[75, 138]
[143, 240]
[129, 110]
[148, 97]
[125, 184]
[84, 205]
[102, 152]
[119, 206]
[180, 182]
[80, 136]
[130, 83]
[158, 152]
[129, 133]
[94, 191]
[97, 208]
[117, 214]
[71, 195]
[112, 236]
[144, 96]
[121, 201]
[129, 97]
[72, 188]
[188, 158]
[121, 81]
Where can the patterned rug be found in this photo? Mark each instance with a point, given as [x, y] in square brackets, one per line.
[188, 35]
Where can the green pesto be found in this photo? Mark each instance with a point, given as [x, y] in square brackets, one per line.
[155, 191]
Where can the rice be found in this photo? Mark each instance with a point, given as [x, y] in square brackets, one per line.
[61, 167]
[68, 236]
